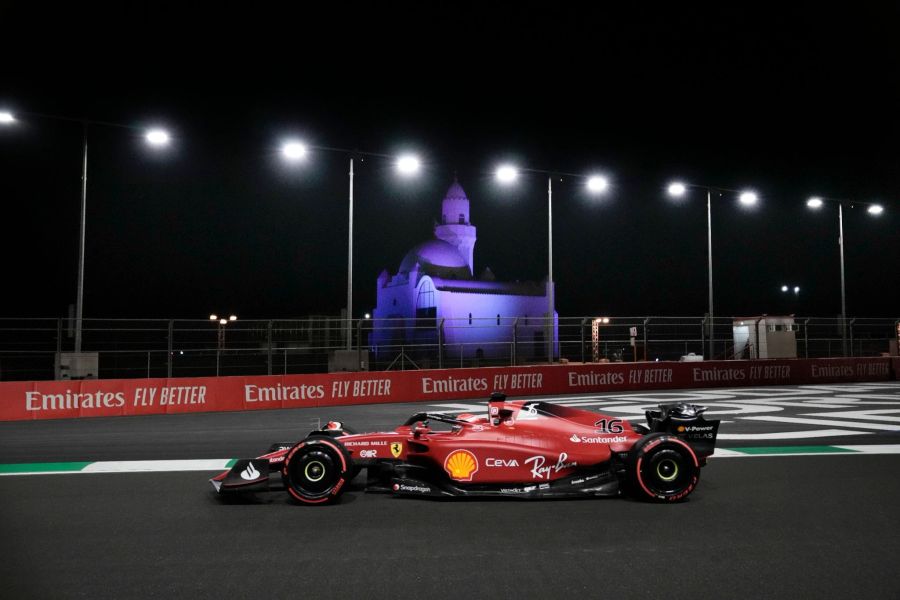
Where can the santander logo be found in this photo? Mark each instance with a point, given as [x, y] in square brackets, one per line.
[250, 473]
[575, 438]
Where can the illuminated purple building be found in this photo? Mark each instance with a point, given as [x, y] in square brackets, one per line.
[435, 293]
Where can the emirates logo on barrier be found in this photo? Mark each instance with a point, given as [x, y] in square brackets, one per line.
[126, 397]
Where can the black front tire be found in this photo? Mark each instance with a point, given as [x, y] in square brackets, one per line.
[663, 468]
[317, 470]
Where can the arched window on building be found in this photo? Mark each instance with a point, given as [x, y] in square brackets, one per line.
[498, 319]
[470, 318]
[425, 306]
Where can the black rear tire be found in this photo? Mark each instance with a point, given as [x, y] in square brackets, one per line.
[663, 468]
[316, 470]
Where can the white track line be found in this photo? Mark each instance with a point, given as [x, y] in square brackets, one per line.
[155, 466]
[830, 422]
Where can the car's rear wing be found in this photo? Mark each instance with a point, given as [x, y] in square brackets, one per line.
[687, 422]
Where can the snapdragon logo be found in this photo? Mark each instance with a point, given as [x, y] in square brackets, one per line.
[415, 488]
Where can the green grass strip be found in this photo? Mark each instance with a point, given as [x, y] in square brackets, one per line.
[58, 467]
[793, 450]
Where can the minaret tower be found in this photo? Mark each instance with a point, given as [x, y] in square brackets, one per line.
[455, 228]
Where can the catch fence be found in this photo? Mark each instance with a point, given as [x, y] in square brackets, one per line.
[133, 348]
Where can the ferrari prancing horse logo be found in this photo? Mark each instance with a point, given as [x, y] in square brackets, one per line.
[396, 449]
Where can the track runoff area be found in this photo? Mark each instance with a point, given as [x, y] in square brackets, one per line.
[818, 517]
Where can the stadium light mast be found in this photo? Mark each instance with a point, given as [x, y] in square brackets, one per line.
[678, 189]
[507, 174]
[817, 202]
[154, 137]
[407, 165]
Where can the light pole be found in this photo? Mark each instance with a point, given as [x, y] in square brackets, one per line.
[350, 264]
[407, 165]
[596, 184]
[787, 290]
[220, 346]
[747, 198]
[595, 336]
[222, 323]
[816, 203]
[154, 137]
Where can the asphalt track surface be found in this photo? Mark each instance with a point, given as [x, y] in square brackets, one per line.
[772, 527]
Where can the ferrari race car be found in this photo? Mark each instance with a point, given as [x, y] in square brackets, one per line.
[519, 449]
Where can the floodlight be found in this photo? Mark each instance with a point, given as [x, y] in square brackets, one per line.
[597, 184]
[293, 150]
[748, 198]
[157, 137]
[507, 174]
[408, 164]
[677, 189]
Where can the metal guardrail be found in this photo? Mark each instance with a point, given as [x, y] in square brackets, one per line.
[187, 348]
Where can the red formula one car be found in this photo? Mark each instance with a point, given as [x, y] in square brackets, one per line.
[519, 449]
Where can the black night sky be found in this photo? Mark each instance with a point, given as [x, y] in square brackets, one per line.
[789, 102]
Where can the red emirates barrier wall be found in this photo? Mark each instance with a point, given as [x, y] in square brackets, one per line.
[120, 397]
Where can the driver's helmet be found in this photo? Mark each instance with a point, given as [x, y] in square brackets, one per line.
[495, 405]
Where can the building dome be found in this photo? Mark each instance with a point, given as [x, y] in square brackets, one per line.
[455, 191]
[436, 257]
[455, 208]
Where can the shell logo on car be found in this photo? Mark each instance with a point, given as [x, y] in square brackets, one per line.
[461, 465]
